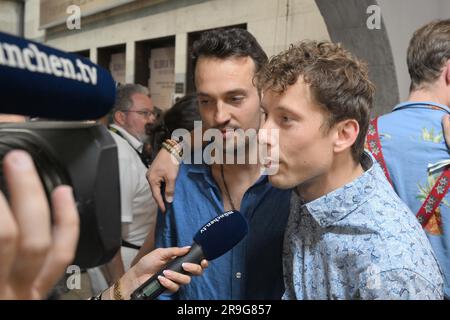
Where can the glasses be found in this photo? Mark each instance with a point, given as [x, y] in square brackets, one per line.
[145, 114]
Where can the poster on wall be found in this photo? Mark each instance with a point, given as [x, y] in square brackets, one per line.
[117, 67]
[162, 76]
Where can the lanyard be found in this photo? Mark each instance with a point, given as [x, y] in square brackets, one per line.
[140, 154]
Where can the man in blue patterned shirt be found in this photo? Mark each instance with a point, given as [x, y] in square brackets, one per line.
[349, 236]
[412, 143]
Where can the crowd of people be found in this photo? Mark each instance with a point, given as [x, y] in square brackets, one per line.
[352, 208]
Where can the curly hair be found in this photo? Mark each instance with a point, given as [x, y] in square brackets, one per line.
[227, 43]
[428, 51]
[339, 82]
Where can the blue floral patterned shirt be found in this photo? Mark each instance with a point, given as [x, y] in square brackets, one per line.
[358, 242]
[415, 153]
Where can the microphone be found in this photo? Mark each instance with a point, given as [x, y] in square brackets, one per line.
[214, 239]
[40, 81]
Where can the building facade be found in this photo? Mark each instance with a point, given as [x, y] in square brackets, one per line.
[148, 41]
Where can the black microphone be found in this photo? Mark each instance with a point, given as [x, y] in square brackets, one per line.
[40, 81]
[214, 239]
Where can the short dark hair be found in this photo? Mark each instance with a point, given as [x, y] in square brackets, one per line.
[428, 51]
[227, 43]
[338, 81]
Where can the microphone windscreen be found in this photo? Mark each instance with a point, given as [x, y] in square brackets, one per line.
[40, 81]
[221, 234]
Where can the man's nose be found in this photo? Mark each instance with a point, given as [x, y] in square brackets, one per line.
[267, 134]
[263, 136]
[222, 116]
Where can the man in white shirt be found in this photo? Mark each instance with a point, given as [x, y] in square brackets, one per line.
[133, 110]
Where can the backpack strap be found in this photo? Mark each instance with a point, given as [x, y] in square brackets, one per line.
[434, 198]
[438, 191]
[374, 145]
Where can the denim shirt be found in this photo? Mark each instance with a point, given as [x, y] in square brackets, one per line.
[253, 268]
[358, 242]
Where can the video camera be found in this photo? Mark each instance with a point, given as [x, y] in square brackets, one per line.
[39, 81]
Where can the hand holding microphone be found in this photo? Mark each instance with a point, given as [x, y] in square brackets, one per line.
[149, 265]
[214, 239]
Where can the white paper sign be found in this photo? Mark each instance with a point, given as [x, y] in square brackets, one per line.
[162, 76]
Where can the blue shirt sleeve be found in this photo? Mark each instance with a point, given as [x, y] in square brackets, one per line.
[164, 232]
[165, 238]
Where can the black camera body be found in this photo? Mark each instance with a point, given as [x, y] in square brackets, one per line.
[84, 156]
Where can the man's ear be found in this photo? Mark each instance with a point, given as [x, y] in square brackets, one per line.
[346, 134]
[447, 73]
[119, 118]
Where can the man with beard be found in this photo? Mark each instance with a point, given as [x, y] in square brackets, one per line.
[225, 62]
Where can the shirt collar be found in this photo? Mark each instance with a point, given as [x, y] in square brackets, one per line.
[135, 143]
[432, 167]
[421, 104]
[339, 203]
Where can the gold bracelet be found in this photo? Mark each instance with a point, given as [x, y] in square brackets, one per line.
[173, 151]
[176, 145]
[117, 293]
[171, 142]
[167, 147]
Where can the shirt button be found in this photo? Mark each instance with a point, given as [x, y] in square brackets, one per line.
[238, 275]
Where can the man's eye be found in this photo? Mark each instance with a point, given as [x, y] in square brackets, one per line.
[203, 102]
[237, 99]
[285, 119]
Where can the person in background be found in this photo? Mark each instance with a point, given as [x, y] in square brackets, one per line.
[409, 141]
[133, 110]
[182, 115]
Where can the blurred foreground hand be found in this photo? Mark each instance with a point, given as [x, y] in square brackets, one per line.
[33, 253]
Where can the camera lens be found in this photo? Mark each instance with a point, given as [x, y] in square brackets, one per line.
[52, 174]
